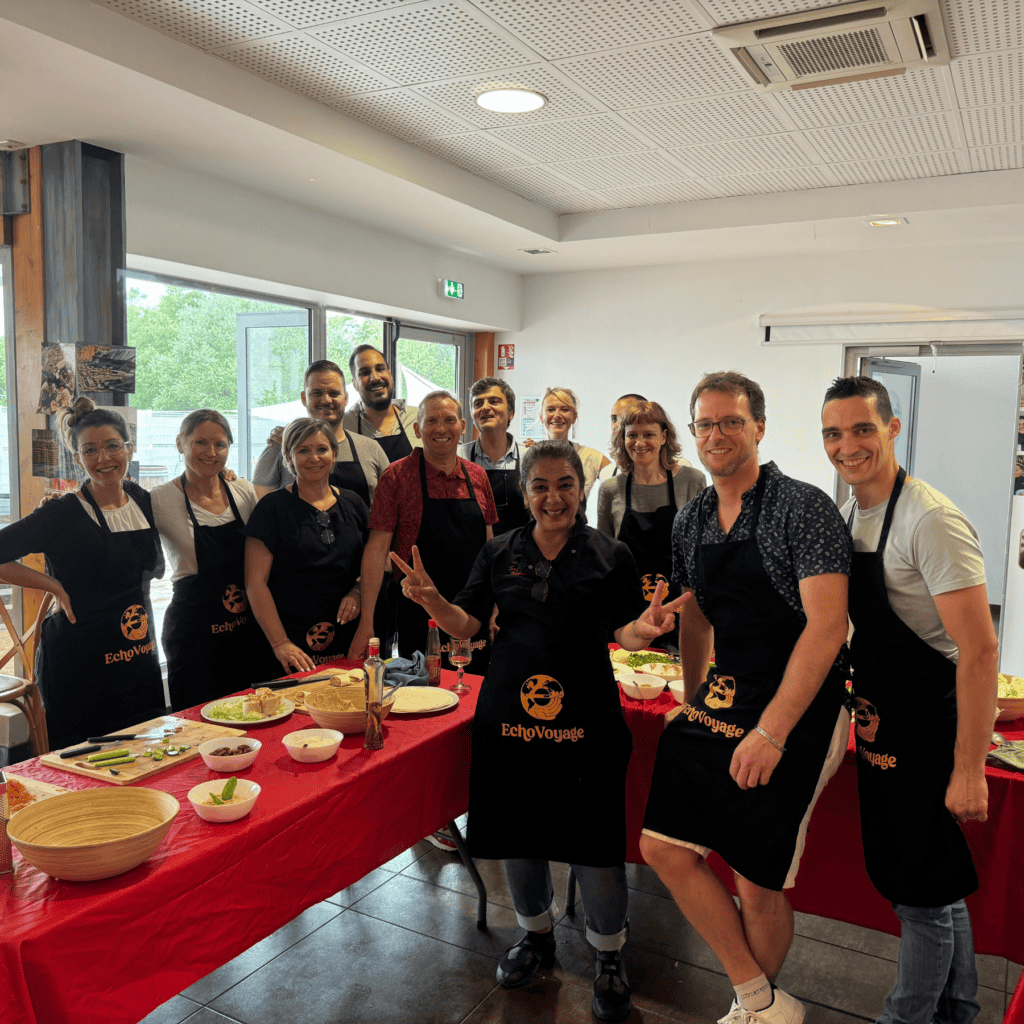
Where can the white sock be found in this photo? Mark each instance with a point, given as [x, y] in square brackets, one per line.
[755, 994]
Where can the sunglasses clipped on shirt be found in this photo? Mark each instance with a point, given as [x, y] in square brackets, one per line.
[323, 519]
[539, 591]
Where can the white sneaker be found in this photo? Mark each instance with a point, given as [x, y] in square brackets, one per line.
[784, 1010]
[735, 1014]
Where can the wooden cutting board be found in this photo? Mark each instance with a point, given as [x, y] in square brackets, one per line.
[292, 693]
[37, 790]
[182, 731]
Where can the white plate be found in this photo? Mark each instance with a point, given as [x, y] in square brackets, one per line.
[287, 707]
[415, 700]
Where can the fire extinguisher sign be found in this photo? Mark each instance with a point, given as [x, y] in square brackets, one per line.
[506, 357]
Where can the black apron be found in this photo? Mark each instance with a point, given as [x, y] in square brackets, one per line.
[308, 580]
[210, 634]
[350, 475]
[693, 797]
[550, 744]
[905, 691]
[452, 532]
[396, 446]
[508, 494]
[102, 672]
[648, 535]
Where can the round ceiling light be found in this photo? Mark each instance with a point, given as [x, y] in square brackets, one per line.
[511, 101]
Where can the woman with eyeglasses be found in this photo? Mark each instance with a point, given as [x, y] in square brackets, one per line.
[303, 547]
[550, 744]
[209, 636]
[96, 662]
[638, 505]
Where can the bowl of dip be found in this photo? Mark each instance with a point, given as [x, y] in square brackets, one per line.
[241, 803]
[308, 745]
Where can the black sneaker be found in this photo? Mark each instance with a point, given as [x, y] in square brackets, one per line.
[532, 952]
[611, 988]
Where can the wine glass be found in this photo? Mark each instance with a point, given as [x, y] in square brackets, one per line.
[460, 653]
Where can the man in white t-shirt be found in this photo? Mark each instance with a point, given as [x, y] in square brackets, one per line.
[924, 657]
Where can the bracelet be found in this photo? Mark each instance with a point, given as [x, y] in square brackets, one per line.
[274, 647]
[771, 739]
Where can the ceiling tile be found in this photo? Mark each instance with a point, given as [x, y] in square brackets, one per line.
[599, 135]
[533, 182]
[993, 126]
[656, 73]
[399, 113]
[990, 78]
[656, 195]
[298, 63]
[425, 42]
[794, 179]
[303, 13]
[917, 92]
[556, 29]
[997, 158]
[928, 165]
[578, 202]
[894, 137]
[731, 12]
[460, 97]
[769, 152]
[620, 171]
[476, 151]
[203, 23]
[709, 120]
[974, 26]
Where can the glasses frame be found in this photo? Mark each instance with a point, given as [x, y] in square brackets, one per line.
[539, 591]
[718, 423]
[108, 447]
[323, 520]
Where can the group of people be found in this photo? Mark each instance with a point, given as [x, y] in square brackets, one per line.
[368, 521]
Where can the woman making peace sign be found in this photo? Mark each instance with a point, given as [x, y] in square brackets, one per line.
[549, 713]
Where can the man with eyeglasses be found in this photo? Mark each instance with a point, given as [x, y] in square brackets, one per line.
[765, 561]
[378, 414]
[360, 460]
[925, 658]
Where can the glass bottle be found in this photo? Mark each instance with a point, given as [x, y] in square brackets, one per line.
[433, 654]
[374, 668]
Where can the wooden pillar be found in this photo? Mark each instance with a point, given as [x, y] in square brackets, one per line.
[483, 354]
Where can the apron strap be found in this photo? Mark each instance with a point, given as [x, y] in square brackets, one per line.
[629, 492]
[703, 517]
[460, 464]
[890, 508]
[188, 504]
[84, 490]
[352, 447]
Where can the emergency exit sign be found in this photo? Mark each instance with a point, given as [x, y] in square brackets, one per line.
[451, 289]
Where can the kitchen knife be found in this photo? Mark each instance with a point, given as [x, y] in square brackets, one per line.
[129, 736]
[281, 684]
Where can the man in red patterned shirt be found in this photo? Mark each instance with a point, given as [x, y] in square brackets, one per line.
[442, 504]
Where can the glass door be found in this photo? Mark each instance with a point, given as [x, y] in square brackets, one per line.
[902, 381]
[427, 360]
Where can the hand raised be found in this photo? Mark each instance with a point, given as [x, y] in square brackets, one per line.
[658, 618]
[417, 585]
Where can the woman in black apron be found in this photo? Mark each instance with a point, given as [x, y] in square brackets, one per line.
[96, 663]
[303, 549]
[755, 632]
[646, 448]
[210, 636]
[549, 713]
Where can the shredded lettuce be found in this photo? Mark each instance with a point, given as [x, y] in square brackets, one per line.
[231, 711]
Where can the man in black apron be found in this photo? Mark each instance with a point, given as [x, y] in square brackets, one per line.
[766, 559]
[493, 407]
[924, 655]
[360, 462]
[441, 503]
[378, 414]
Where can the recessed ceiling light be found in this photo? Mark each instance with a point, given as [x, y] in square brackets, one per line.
[537, 252]
[885, 222]
[511, 101]
[9, 145]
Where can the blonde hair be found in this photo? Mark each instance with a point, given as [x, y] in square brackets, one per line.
[81, 414]
[300, 430]
[568, 396]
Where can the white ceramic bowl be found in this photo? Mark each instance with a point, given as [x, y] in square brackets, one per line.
[249, 791]
[643, 686]
[234, 762]
[677, 690]
[293, 743]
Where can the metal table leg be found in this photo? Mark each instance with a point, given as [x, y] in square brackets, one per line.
[481, 889]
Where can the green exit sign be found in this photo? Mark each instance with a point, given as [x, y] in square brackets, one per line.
[451, 289]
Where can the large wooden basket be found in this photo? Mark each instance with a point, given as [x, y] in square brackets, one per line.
[93, 833]
[321, 704]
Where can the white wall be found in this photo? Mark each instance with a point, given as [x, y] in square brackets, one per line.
[654, 330]
[176, 217]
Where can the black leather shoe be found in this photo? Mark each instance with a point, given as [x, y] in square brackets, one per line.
[532, 952]
[611, 988]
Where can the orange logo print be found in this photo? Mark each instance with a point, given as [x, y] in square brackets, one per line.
[234, 599]
[135, 622]
[721, 691]
[866, 715]
[320, 636]
[650, 584]
[542, 697]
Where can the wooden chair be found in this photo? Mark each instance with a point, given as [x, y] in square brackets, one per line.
[23, 692]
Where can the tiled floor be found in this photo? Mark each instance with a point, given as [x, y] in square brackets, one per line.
[401, 947]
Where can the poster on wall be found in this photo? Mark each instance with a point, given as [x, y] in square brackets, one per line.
[506, 357]
[528, 414]
[57, 384]
[105, 368]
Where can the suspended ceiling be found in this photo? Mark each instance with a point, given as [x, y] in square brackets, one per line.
[650, 136]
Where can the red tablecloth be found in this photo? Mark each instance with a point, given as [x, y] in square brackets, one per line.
[109, 952]
[833, 882]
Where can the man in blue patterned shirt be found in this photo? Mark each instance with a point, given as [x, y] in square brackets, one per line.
[765, 560]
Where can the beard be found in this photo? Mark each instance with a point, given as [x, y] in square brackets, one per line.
[378, 404]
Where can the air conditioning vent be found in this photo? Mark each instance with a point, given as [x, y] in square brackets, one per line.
[838, 44]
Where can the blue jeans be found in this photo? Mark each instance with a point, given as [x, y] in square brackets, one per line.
[605, 899]
[936, 975]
